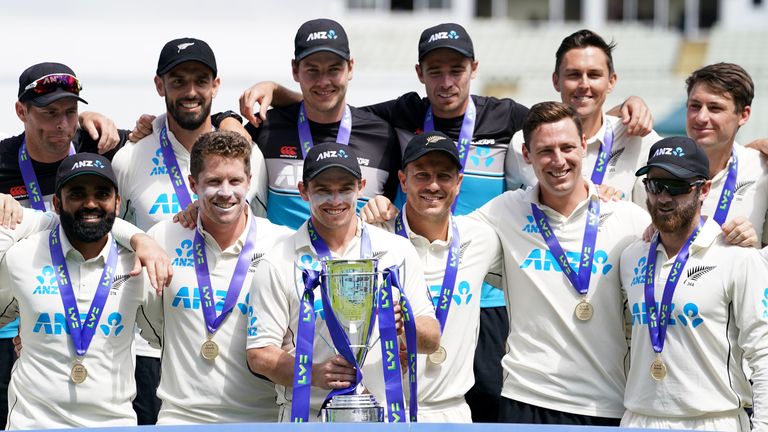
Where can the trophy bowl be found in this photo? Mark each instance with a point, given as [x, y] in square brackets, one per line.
[352, 287]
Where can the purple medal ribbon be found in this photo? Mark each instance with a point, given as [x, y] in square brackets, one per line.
[465, 134]
[451, 270]
[82, 333]
[658, 318]
[305, 135]
[212, 321]
[579, 281]
[390, 349]
[729, 189]
[30, 179]
[174, 172]
[604, 155]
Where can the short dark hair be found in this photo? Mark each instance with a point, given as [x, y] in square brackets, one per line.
[545, 113]
[583, 39]
[229, 145]
[726, 79]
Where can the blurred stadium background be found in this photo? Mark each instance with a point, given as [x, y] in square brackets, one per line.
[113, 46]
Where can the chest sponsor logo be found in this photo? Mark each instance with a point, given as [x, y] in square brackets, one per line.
[158, 164]
[530, 226]
[46, 282]
[184, 255]
[765, 304]
[56, 324]
[543, 260]
[481, 157]
[189, 298]
[687, 316]
[638, 272]
[167, 204]
[462, 294]
[289, 176]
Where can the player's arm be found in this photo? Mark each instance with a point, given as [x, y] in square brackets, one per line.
[102, 130]
[265, 93]
[149, 316]
[9, 307]
[147, 252]
[635, 114]
[415, 287]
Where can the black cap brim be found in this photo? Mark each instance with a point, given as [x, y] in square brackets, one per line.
[463, 52]
[177, 62]
[318, 49]
[47, 99]
[426, 150]
[313, 175]
[677, 171]
[81, 173]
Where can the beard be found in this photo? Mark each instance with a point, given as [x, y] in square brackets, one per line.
[187, 120]
[678, 220]
[87, 232]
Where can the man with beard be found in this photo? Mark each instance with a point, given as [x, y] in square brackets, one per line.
[203, 342]
[566, 341]
[70, 358]
[152, 172]
[281, 296]
[703, 296]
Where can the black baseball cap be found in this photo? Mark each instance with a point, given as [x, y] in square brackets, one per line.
[330, 155]
[447, 35]
[183, 50]
[84, 163]
[321, 35]
[679, 156]
[427, 142]
[45, 83]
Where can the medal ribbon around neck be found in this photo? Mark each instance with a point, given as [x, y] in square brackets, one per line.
[729, 191]
[451, 270]
[581, 280]
[81, 333]
[174, 172]
[465, 134]
[305, 135]
[213, 321]
[604, 155]
[34, 194]
[658, 317]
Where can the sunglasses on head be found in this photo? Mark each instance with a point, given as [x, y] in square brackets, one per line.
[51, 83]
[672, 186]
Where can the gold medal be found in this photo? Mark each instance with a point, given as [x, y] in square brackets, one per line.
[584, 310]
[209, 350]
[79, 373]
[658, 369]
[438, 356]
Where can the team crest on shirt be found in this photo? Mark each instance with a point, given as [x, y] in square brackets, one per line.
[614, 158]
[379, 254]
[46, 282]
[184, 255]
[117, 282]
[257, 256]
[696, 273]
[741, 188]
[158, 164]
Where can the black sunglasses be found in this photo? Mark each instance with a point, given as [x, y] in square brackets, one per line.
[672, 186]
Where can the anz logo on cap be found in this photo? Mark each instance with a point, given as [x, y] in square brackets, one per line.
[330, 34]
[87, 163]
[443, 35]
[332, 154]
[668, 151]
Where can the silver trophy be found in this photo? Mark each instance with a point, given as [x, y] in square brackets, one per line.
[352, 287]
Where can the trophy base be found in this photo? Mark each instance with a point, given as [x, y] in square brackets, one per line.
[353, 409]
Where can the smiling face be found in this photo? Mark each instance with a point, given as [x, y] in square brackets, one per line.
[431, 184]
[332, 197]
[446, 75]
[584, 81]
[673, 214]
[712, 119]
[87, 206]
[49, 129]
[323, 78]
[556, 151]
[188, 89]
[221, 188]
